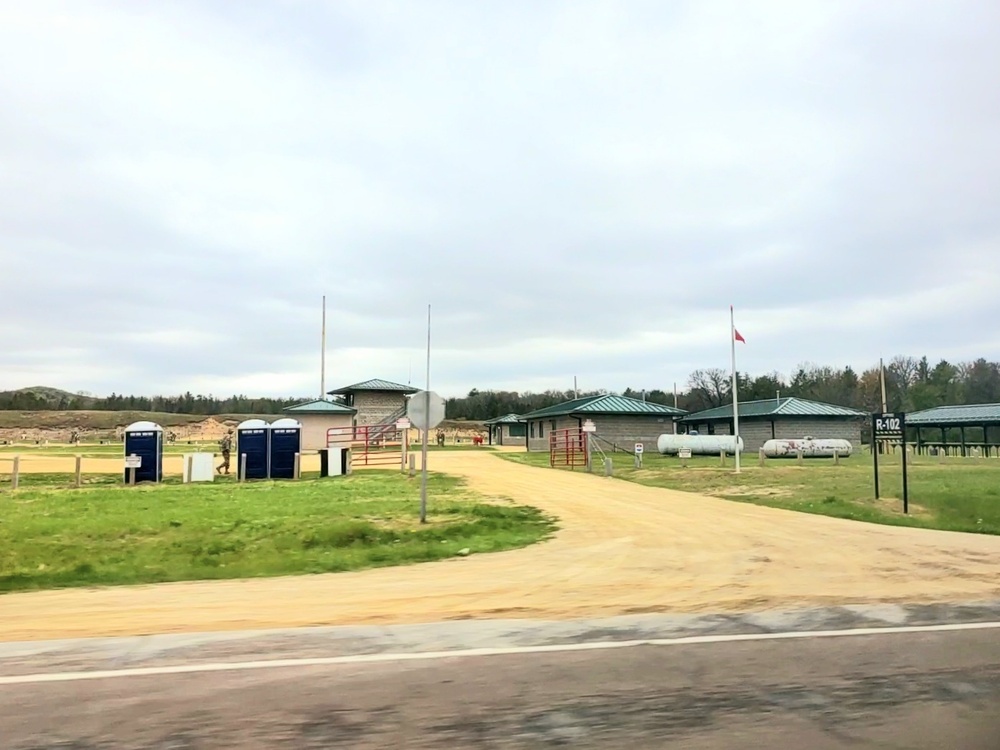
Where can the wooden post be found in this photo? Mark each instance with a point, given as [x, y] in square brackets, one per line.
[406, 448]
[722, 457]
[131, 476]
[79, 472]
[799, 456]
[15, 477]
[413, 465]
[297, 473]
[608, 467]
[190, 467]
[761, 456]
[243, 467]
[836, 457]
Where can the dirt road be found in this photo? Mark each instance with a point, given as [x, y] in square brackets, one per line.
[623, 548]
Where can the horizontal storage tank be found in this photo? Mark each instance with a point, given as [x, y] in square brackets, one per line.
[810, 447]
[699, 445]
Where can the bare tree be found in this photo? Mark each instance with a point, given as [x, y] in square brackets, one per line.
[709, 388]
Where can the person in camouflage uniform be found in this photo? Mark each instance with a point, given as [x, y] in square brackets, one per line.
[226, 446]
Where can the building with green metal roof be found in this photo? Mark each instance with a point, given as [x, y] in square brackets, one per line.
[506, 430]
[786, 418]
[960, 427]
[377, 401]
[619, 420]
[319, 416]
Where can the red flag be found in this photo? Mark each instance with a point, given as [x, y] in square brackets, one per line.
[738, 336]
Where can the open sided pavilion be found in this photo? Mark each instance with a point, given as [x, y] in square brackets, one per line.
[958, 428]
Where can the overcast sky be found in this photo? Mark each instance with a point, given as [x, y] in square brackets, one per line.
[578, 188]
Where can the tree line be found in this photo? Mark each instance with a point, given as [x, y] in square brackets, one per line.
[911, 385]
[187, 403]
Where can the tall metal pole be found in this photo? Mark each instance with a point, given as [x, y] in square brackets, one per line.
[736, 408]
[427, 416]
[322, 357]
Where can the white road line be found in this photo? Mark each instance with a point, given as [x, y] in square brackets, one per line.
[479, 652]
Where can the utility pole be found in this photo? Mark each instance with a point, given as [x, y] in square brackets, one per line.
[427, 412]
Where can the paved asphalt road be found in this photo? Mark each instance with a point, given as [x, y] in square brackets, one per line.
[938, 690]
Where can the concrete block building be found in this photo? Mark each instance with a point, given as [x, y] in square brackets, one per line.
[780, 418]
[620, 421]
[506, 430]
[316, 417]
[375, 401]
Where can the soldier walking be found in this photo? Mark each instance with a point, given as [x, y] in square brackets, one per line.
[226, 446]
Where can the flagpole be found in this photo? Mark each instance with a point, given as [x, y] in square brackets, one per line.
[736, 408]
[322, 356]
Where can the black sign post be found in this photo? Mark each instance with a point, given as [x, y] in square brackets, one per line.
[890, 427]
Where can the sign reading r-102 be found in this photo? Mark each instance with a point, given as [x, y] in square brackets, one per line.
[889, 428]
[889, 425]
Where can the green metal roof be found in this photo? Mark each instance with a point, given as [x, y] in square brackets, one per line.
[375, 384]
[608, 405]
[977, 414]
[775, 407]
[505, 419]
[320, 406]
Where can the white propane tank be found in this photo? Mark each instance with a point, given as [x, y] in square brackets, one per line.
[810, 447]
[699, 445]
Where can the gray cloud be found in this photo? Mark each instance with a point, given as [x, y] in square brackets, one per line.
[578, 189]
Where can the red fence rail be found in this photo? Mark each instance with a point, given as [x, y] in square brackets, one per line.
[371, 445]
[568, 448]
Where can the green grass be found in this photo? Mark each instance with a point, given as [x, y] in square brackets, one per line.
[107, 534]
[960, 494]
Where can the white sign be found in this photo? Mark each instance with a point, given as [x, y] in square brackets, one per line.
[402, 423]
[638, 449]
[199, 467]
[589, 426]
[133, 462]
[684, 453]
[424, 414]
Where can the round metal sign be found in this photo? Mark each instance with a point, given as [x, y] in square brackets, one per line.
[424, 415]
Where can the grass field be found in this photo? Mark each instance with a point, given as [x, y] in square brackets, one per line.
[106, 534]
[960, 494]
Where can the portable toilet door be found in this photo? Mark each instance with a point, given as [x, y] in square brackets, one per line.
[145, 440]
[253, 441]
[286, 442]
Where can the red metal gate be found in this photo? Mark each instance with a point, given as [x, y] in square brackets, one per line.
[568, 448]
[371, 445]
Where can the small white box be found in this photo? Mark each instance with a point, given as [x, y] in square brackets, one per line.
[199, 467]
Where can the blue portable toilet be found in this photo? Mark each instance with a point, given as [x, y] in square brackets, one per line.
[253, 439]
[286, 441]
[145, 440]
